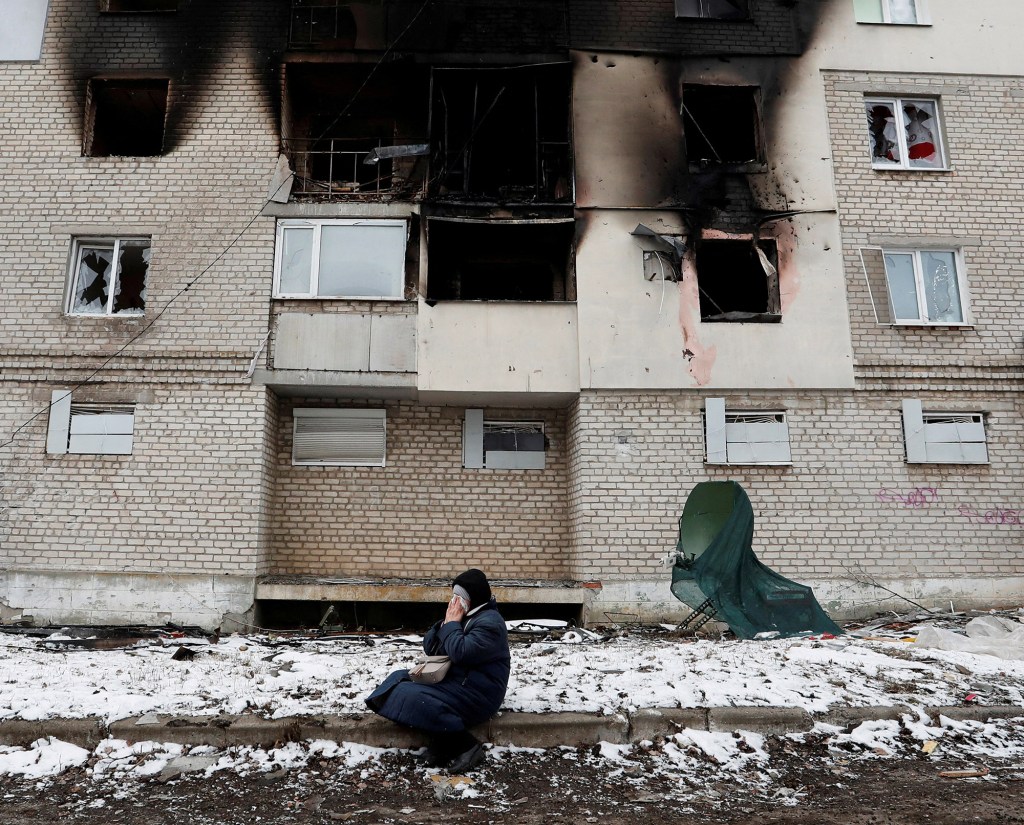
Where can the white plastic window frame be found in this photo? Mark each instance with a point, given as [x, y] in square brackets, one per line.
[904, 165]
[317, 226]
[922, 300]
[927, 434]
[370, 415]
[921, 12]
[21, 39]
[719, 422]
[77, 428]
[113, 243]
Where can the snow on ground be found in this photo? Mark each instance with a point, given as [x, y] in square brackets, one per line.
[276, 677]
[562, 671]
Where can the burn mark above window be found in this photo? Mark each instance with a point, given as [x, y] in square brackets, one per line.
[738, 281]
[502, 134]
[491, 261]
[722, 125]
[125, 117]
[713, 9]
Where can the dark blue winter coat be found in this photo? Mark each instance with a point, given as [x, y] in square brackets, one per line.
[472, 691]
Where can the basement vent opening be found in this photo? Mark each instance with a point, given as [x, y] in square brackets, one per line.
[738, 281]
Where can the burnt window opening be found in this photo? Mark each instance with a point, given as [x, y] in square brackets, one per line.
[351, 132]
[125, 117]
[491, 261]
[138, 5]
[337, 24]
[502, 134]
[738, 281]
[713, 9]
[722, 125]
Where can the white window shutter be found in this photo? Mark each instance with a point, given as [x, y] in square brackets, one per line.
[353, 438]
[913, 431]
[60, 422]
[101, 433]
[473, 440]
[714, 430]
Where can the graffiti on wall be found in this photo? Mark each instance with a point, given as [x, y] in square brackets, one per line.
[919, 498]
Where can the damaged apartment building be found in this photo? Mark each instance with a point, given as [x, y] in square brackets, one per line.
[311, 304]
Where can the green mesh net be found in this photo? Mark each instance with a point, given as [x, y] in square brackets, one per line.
[717, 572]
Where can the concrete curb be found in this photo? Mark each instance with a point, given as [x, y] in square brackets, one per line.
[537, 730]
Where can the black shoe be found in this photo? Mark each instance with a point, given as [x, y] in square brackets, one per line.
[431, 758]
[467, 760]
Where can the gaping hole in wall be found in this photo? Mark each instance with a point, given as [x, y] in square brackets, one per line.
[722, 125]
[713, 9]
[335, 127]
[738, 281]
[125, 117]
[492, 261]
[138, 5]
[502, 134]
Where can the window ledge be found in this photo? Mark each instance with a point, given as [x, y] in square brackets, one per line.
[926, 325]
[350, 299]
[911, 169]
[918, 25]
[749, 464]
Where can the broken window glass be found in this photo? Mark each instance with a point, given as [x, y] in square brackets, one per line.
[738, 280]
[904, 134]
[125, 117]
[500, 261]
[96, 290]
[924, 286]
[721, 125]
[712, 9]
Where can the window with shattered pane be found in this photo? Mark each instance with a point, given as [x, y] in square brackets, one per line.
[925, 286]
[903, 12]
[108, 276]
[904, 133]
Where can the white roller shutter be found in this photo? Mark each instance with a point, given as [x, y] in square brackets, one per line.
[354, 438]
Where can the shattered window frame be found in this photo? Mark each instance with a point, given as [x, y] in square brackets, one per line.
[884, 138]
[712, 9]
[84, 247]
[392, 266]
[926, 297]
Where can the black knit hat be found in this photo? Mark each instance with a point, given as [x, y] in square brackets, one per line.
[474, 582]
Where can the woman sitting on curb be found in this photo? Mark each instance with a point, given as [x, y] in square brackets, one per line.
[474, 637]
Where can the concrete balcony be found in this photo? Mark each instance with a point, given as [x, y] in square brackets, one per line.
[349, 353]
[498, 351]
